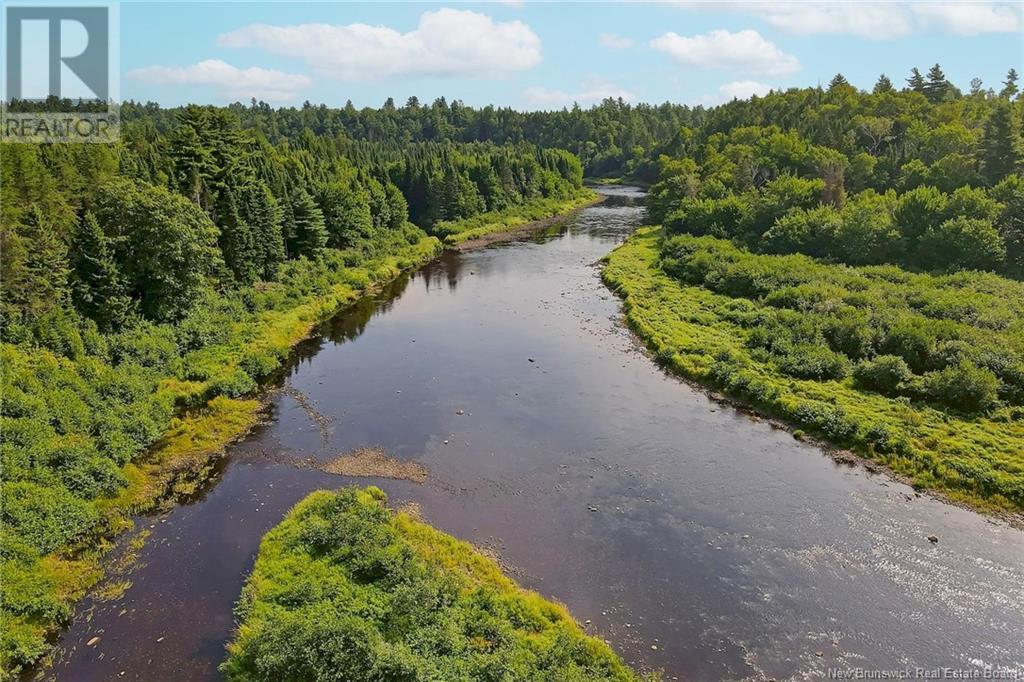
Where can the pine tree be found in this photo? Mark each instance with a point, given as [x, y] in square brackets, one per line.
[1010, 88]
[883, 85]
[916, 80]
[310, 234]
[98, 289]
[936, 87]
[1000, 148]
[976, 84]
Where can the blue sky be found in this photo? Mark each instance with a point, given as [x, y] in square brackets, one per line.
[547, 55]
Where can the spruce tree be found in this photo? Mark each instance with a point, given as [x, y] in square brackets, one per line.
[235, 240]
[98, 290]
[838, 80]
[1000, 149]
[264, 216]
[882, 85]
[1010, 88]
[310, 234]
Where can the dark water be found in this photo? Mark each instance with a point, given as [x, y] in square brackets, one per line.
[665, 519]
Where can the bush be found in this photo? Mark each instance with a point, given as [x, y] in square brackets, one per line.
[814, 362]
[964, 387]
[886, 374]
[344, 589]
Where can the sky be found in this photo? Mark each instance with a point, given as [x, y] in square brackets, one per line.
[533, 55]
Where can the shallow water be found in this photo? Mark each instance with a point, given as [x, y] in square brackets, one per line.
[663, 518]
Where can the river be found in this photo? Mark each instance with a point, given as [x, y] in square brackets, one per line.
[694, 538]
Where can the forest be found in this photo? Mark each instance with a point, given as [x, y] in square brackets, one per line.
[847, 261]
[149, 286]
[854, 270]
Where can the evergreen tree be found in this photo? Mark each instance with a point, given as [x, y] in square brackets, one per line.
[98, 289]
[309, 234]
[263, 214]
[1010, 88]
[1000, 148]
[38, 281]
[936, 87]
[916, 80]
[838, 80]
[235, 240]
[883, 85]
[976, 84]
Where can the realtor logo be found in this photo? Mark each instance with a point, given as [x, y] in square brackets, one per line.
[91, 65]
[59, 75]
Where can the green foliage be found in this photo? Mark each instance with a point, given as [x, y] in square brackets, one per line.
[938, 361]
[343, 589]
[887, 374]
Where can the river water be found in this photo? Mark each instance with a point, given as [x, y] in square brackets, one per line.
[695, 539]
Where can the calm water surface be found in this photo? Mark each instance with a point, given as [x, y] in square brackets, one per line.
[693, 538]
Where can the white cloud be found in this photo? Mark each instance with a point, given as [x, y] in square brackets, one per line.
[735, 90]
[616, 42]
[744, 51]
[970, 18]
[230, 81]
[591, 92]
[877, 20]
[446, 42]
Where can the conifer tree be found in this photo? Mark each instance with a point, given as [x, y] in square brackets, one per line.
[1000, 149]
[309, 233]
[883, 85]
[98, 289]
[1010, 88]
[916, 80]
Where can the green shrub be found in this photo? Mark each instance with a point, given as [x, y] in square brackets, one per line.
[344, 589]
[809, 361]
[887, 374]
[964, 387]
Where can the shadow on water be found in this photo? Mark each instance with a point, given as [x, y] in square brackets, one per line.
[694, 538]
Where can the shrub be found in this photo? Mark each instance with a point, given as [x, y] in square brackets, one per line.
[964, 387]
[807, 361]
[886, 374]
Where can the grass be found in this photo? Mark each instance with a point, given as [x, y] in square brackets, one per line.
[973, 459]
[40, 585]
[453, 233]
[344, 589]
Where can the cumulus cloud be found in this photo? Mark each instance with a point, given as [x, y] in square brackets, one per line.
[230, 81]
[877, 20]
[446, 42]
[736, 90]
[744, 51]
[970, 18]
[591, 92]
[616, 42]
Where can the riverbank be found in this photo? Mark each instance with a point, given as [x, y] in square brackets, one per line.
[383, 591]
[214, 408]
[497, 226]
[694, 332]
[211, 408]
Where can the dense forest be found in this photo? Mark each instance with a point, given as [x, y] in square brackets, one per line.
[843, 259]
[174, 270]
[846, 260]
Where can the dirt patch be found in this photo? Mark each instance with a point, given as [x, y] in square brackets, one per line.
[374, 462]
